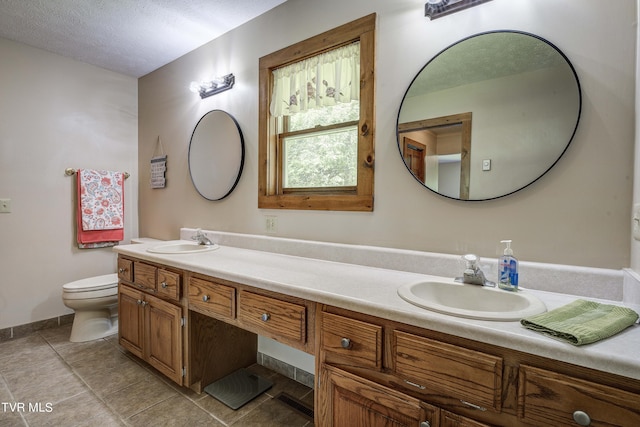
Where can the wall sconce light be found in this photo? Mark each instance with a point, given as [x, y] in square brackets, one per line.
[437, 8]
[217, 85]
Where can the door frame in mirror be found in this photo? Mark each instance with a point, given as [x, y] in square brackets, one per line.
[559, 80]
[462, 119]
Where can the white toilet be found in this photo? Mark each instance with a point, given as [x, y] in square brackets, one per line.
[95, 301]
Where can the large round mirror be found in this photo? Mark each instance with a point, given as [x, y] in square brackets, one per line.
[216, 155]
[489, 115]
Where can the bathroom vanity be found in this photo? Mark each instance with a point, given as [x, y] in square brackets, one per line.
[379, 360]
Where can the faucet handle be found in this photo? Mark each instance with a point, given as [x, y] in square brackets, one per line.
[470, 261]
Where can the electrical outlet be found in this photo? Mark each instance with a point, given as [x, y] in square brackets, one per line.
[5, 205]
[271, 224]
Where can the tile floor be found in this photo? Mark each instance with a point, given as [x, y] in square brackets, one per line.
[47, 381]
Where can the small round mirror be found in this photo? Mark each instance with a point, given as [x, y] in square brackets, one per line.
[216, 155]
[489, 115]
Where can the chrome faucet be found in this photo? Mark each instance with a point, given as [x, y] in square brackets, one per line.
[201, 238]
[472, 273]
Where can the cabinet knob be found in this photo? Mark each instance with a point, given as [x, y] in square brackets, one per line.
[425, 424]
[122, 270]
[345, 343]
[265, 317]
[164, 285]
[144, 303]
[206, 298]
[139, 301]
[582, 418]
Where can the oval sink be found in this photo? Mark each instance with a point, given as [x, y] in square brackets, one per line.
[182, 248]
[472, 301]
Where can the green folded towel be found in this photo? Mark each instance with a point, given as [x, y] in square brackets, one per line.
[582, 322]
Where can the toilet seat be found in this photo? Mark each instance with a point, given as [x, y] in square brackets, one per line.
[97, 283]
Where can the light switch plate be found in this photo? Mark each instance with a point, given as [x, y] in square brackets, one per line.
[5, 205]
[636, 221]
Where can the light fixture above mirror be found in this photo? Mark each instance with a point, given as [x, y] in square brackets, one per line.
[437, 8]
[213, 86]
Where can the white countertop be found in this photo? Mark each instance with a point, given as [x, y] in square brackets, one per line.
[373, 291]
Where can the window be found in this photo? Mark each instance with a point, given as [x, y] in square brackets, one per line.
[316, 127]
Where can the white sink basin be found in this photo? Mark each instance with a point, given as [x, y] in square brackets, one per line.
[182, 248]
[472, 301]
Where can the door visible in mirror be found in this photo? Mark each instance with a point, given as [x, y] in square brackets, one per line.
[525, 100]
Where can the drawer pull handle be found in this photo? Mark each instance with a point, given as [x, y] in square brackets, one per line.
[582, 418]
[139, 302]
[345, 343]
[421, 387]
[474, 406]
[206, 298]
[425, 424]
[265, 317]
[164, 285]
[122, 270]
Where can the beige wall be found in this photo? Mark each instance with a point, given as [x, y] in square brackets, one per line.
[56, 113]
[578, 213]
[635, 244]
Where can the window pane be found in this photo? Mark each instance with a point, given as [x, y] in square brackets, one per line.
[325, 116]
[322, 159]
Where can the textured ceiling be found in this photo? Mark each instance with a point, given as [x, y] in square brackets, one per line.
[485, 57]
[132, 37]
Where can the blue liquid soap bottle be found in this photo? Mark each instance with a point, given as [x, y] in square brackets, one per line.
[508, 269]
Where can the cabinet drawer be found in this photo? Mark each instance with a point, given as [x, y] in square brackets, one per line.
[125, 269]
[144, 275]
[169, 284]
[448, 419]
[549, 398]
[278, 319]
[212, 298]
[352, 342]
[472, 377]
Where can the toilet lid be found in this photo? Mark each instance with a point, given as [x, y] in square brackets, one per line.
[92, 283]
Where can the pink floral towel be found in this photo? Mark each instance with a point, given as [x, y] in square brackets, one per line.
[101, 200]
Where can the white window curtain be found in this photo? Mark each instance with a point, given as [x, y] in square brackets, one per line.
[322, 80]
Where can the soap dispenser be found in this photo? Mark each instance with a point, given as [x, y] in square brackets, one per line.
[508, 269]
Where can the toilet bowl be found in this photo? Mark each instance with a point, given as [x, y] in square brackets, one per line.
[95, 302]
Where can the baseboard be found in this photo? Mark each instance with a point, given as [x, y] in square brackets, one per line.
[289, 371]
[20, 331]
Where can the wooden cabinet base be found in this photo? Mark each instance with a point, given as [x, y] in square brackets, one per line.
[216, 349]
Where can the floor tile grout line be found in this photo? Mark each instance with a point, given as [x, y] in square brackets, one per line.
[161, 378]
[77, 375]
[13, 398]
[56, 343]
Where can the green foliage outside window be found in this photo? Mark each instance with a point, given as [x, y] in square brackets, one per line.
[327, 158]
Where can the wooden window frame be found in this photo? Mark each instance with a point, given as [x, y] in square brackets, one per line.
[270, 193]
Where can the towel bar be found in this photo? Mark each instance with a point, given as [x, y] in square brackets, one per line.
[72, 171]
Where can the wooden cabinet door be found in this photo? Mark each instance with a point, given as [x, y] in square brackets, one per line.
[351, 401]
[163, 329]
[130, 319]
